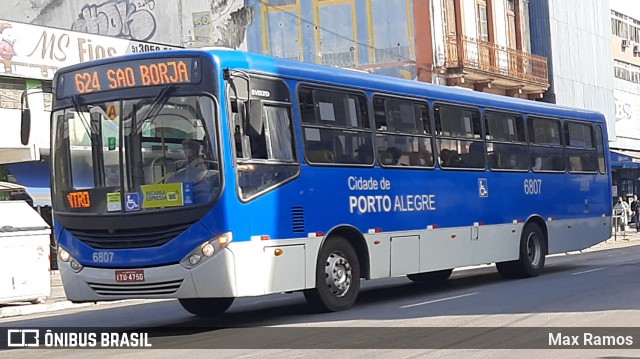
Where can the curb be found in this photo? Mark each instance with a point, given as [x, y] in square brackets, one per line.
[18, 310]
[28, 309]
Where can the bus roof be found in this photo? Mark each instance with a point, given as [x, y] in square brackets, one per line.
[321, 74]
[332, 76]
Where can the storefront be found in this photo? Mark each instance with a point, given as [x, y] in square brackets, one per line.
[625, 168]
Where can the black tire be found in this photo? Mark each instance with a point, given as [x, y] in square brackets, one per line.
[337, 277]
[533, 249]
[432, 278]
[206, 307]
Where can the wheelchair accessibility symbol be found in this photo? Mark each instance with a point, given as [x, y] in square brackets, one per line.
[483, 187]
[132, 202]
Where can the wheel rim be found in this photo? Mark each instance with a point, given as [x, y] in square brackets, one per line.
[534, 250]
[338, 274]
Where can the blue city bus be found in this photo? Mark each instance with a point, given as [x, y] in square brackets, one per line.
[206, 175]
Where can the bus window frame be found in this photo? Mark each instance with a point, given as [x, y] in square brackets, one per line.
[568, 147]
[482, 138]
[430, 135]
[249, 161]
[599, 131]
[533, 116]
[525, 144]
[368, 119]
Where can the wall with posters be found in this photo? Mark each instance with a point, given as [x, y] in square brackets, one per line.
[186, 23]
[36, 52]
[30, 52]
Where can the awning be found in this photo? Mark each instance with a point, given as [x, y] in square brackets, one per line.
[625, 159]
[35, 177]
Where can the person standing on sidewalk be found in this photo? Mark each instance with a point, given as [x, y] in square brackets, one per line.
[622, 211]
[635, 212]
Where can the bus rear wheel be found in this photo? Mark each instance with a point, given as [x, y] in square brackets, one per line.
[532, 255]
[337, 277]
[432, 278]
[206, 307]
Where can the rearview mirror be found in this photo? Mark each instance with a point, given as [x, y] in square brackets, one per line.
[25, 126]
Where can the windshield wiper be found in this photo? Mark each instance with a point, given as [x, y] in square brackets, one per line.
[156, 105]
[83, 120]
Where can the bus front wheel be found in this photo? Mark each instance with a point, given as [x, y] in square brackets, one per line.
[206, 307]
[337, 277]
[532, 255]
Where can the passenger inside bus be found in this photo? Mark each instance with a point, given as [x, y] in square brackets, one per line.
[391, 156]
[537, 165]
[475, 157]
[449, 158]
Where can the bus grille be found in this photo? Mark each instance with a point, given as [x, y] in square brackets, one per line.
[158, 288]
[297, 219]
[129, 238]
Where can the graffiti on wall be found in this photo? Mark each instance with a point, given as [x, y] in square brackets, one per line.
[224, 24]
[132, 19]
[230, 31]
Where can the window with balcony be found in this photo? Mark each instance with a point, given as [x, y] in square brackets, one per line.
[450, 18]
[483, 20]
[392, 31]
[511, 24]
[337, 32]
[280, 30]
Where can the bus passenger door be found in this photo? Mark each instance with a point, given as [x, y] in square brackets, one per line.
[405, 255]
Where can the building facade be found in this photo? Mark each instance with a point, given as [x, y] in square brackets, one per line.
[484, 45]
[579, 70]
[625, 48]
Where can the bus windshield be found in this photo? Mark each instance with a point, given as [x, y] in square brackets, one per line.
[135, 155]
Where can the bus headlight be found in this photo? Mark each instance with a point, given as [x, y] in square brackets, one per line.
[206, 250]
[67, 258]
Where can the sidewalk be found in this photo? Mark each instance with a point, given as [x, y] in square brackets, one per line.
[58, 300]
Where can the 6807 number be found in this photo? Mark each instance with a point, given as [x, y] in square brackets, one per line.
[102, 257]
[532, 186]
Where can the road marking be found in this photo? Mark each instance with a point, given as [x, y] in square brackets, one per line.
[438, 300]
[589, 271]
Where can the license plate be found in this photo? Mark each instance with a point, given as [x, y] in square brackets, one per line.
[127, 276]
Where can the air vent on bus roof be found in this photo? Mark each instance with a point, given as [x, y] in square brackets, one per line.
[297, 219]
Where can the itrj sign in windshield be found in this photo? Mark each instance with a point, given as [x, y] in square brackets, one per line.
[135, 155]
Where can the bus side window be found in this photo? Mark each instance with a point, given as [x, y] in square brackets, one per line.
[545, 143]
[337, 130]
[506, 141]
[580, 147]
[403, 137]
[458, 131]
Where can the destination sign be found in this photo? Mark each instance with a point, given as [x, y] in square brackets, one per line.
[129, 74]
[79, 199]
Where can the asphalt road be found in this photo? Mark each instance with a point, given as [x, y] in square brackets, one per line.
[475, 309]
